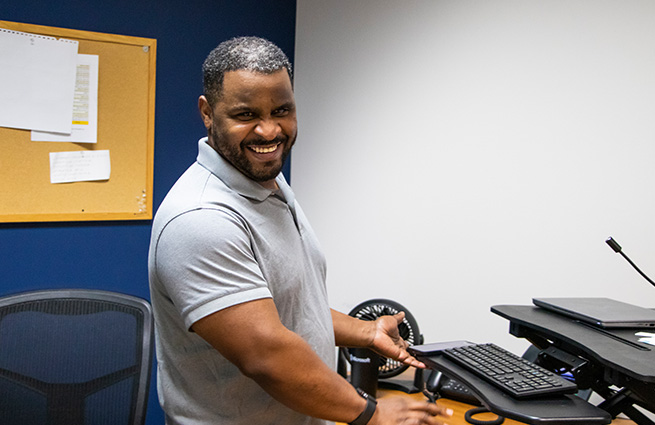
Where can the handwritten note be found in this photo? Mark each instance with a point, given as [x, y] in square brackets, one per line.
[77, 166]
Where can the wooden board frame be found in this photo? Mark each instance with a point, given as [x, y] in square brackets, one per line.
[126, 125]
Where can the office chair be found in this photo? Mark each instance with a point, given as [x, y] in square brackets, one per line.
[74, 357]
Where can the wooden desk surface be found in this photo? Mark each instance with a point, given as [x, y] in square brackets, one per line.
[459, 409]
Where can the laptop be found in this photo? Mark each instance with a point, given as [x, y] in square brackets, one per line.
[603, 312]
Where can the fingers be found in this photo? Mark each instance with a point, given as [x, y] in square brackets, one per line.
[437, 410]
[389, 343]
[432, 409]
[405, 357]
[410, 360]
[399, 410]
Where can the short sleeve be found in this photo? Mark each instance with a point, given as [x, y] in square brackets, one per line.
[204, 260]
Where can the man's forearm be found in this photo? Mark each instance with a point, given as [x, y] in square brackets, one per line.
[352, 332]
[303, 382]
[251, 336]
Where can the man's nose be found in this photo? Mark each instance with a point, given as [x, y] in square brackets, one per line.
[267, 129]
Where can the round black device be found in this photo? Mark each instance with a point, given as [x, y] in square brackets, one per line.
[366, 366]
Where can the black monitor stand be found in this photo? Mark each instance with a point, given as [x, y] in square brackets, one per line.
[613, 363]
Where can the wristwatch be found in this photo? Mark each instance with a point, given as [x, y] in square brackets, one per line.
[369, 410]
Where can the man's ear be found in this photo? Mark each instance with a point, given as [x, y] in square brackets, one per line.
[206, 112]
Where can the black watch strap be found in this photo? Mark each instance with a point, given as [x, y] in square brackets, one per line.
[369, 410]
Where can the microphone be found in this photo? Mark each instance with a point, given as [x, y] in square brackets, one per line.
[617, 248]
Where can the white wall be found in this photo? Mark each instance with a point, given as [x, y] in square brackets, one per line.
[454, 155]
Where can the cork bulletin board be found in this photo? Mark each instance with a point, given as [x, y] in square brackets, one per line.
[126, 115]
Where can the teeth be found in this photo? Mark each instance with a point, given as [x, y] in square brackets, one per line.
[264, 149]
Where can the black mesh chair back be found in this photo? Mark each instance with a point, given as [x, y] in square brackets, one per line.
[74, 357]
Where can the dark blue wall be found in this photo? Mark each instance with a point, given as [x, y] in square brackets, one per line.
[113, 255]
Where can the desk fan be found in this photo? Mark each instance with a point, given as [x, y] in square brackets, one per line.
[409, 331]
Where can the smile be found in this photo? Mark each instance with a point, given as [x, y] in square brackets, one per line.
[264, 149]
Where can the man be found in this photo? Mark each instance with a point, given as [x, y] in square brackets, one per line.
[245, 334]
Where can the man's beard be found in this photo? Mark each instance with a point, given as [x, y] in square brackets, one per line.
[236, 156]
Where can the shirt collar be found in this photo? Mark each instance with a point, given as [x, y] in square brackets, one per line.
[234, 179]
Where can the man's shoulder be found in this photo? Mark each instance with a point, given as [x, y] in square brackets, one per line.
[196, 190]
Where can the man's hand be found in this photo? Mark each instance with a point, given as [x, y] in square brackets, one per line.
[388, 342]
[381, 336]
[403, 411]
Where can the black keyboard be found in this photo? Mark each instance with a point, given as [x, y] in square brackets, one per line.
[511, 373]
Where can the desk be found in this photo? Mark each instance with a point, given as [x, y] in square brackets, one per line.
[459, 409]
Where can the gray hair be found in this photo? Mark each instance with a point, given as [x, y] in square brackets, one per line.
[241, 53]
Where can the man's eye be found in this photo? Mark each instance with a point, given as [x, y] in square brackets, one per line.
[245, 116]
[281, 112]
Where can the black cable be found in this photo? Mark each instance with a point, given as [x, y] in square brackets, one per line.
[617, 248]
[469, 417]
[637, 268]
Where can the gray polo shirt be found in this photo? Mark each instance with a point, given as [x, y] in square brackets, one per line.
[220, 239]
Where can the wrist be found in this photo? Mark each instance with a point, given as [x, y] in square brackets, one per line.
[370, 332]
[369, 410]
